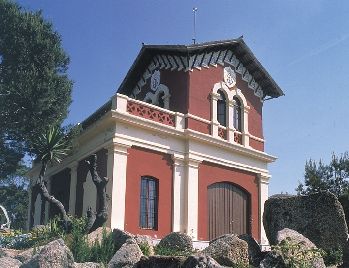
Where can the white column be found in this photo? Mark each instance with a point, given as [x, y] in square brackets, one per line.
[230, 125]
[73, 182]
[263, 196]
[116, 189]
[245, 132]
[192, 200]
[178, 197]
[214, 122]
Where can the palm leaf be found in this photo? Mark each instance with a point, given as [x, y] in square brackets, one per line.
[52, 145]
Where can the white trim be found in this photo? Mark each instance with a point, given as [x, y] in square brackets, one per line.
[195, 117]
[192, 197]
[178, 192]
[256, 138]
[117, 164]
[263, 196]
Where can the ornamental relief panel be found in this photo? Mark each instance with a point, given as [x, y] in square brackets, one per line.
[225, 58]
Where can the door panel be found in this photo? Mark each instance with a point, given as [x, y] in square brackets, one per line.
[227, 210]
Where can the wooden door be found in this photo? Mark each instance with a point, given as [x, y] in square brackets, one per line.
[228, 208]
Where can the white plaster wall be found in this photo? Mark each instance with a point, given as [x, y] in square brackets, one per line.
[90, 195]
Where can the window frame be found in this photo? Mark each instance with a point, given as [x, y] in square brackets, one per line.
[237, 114]
[222, 104]
[148, 211]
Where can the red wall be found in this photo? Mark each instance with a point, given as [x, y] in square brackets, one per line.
[197, 125]
[141, 162]
[177, 83]
[211, 173]
[201, 83]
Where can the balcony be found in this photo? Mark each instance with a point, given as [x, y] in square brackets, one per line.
[181, 122]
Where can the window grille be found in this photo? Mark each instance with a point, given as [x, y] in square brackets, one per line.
[149, 203]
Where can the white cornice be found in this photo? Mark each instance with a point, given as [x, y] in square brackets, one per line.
[191, 134]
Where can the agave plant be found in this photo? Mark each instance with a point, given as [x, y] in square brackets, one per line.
[51, 147]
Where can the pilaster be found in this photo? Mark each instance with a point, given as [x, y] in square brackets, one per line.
[192, 197]
[214, 122]
[263, 196]
[178, 210]
[230, 126]
[116, 188]
[245, 133]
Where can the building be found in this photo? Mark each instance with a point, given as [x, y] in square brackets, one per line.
[181, 142]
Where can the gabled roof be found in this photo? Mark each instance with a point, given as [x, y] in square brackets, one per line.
[187, 57]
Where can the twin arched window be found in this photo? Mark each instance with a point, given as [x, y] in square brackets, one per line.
[222, 111]
[237, 114]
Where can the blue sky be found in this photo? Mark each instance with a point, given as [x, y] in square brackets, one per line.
[304, 45]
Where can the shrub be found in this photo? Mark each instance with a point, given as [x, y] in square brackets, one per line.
[77, 240]
[295, 255]
[333, 257]
[103, 252]
[145, 248]
[159, 250]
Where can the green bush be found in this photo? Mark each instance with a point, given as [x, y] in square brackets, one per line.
[295, 255]
[145, 248]
[171, 252]
[333, 257]
[103, 252]
[77, 240]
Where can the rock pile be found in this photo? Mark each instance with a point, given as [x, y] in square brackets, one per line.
[319, 217]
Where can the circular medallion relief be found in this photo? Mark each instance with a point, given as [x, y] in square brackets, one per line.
[155, 80]
[229, 76]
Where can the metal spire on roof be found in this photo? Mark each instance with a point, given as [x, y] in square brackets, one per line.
[195, 9]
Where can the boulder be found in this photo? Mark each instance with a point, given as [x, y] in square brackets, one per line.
[39, 228]
[228, 250]
[316, 216]
[177, 242]
[97, 235]
[54, 255]
[202, 261]
[161, 262]
[7, 262]
[145, 241]
[302, 246]
[88, 265]
[27, 254]
[127, 256]
[8, 252]
[120, 237]
[255, 254]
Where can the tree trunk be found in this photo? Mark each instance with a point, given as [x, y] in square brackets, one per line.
[50, 198]
[100, 183]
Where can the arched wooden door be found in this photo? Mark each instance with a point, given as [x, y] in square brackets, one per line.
[228, 210]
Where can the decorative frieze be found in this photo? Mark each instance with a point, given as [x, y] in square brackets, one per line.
[197, 61]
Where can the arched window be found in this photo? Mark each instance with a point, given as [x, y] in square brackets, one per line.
[237, 114]
[148, 217]
[221, 109]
